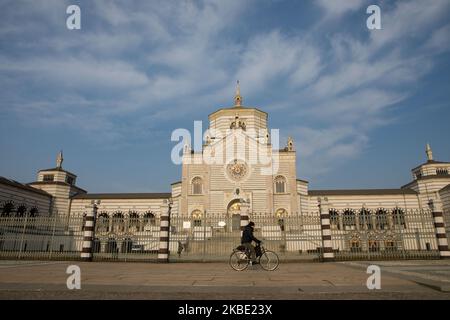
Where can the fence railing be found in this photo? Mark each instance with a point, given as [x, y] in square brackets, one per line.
[213, 236]
[126, 239]
[410, 235]
[41, 237]
[446, 215]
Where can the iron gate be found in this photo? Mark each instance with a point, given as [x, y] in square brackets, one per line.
[126, 238]
[214, 236]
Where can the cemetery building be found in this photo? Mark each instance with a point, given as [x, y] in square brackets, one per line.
[238, 171]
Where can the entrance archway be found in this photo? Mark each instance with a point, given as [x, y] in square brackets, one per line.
[234, 207]
[234, 212]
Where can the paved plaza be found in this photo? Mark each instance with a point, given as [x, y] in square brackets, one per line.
[339, 280]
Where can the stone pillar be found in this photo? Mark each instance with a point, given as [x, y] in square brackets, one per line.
[163, 253]
[88, 233]
[327, 247]
[439, 226]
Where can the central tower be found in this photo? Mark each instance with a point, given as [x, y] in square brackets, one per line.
[238, 166]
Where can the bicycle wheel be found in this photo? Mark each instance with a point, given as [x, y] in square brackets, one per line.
[269, 260]
[239, 261]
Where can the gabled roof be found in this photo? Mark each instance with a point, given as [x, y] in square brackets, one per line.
[22, 186]
[446, 188]
[101, 196]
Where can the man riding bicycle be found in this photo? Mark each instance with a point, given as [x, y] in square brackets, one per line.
[247, 238]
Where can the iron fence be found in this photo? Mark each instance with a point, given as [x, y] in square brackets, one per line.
[447, 223]
[383, 235]
[126, 239]
[43, 238]
[213, 237]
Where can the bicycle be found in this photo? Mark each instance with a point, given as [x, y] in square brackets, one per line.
[240, 258]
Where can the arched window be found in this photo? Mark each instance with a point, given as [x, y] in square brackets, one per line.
[197, 217]
[197, 185]
[118, 222]
[334, 219]
[133, 221]
[8, 208]
[21, 210]
[149, 219]
[381, 219]
[365, 219]
[348, 219]
[398, 215]
[102, 223]
[280, 184]
[34, 212]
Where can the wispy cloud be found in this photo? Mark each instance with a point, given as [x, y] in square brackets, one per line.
[336, 9]
[143, 65]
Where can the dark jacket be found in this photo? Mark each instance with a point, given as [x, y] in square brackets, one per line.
[247, 235]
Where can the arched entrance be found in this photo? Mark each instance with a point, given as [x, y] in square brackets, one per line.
[234, 212]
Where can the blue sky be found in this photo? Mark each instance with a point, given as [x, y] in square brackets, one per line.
[360, 104]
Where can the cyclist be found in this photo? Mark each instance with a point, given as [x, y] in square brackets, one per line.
[247, 238]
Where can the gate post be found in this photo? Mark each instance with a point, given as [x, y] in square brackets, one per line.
[163, 252]
[439, 227]
[327, 247]
[88, 232]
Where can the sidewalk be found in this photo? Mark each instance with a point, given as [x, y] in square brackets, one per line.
[103, 280]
